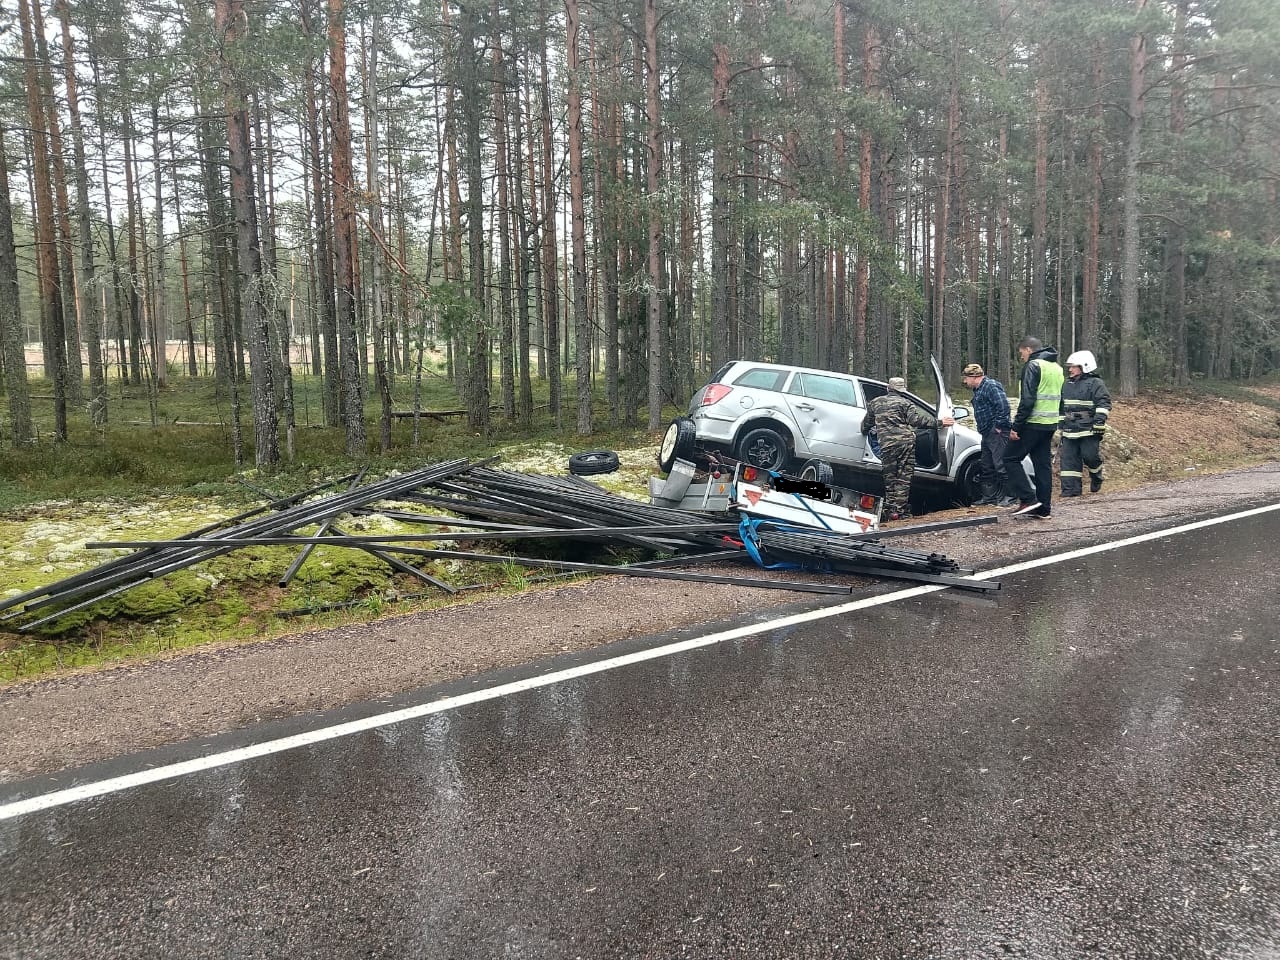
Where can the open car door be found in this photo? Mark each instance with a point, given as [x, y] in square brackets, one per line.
[945, 408]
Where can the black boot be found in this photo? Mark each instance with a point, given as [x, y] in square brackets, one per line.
[990, 495]
[1095, 482]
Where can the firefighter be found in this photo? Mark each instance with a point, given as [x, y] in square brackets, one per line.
[1086, 405]
[895, 420]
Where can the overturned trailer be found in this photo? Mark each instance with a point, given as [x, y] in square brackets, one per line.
[748, 491]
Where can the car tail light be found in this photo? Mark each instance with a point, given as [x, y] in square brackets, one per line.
[749, 474]
[714, 393]
[867, 502]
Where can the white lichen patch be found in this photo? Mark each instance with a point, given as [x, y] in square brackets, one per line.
[49, 540]
[546, 458]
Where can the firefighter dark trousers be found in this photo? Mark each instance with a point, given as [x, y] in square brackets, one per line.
[1077, 454]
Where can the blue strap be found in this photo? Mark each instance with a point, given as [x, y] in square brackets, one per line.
[751, 543]
[749, 532]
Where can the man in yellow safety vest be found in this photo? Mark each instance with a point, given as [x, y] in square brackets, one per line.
[1034, 424]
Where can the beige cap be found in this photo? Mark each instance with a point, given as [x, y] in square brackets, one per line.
[897, 383]
[973, 370]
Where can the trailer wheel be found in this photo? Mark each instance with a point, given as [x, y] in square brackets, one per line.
[592, 463]
[818, 470]
[677, 443]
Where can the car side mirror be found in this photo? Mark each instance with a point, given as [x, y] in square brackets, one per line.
[961, 413]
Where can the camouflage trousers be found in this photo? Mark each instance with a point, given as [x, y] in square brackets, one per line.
[899, 459]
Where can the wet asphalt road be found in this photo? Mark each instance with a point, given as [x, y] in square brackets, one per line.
[1085, 765]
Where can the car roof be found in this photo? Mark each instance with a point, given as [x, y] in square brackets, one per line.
[799, 369]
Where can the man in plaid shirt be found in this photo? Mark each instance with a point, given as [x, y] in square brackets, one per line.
[991, 412]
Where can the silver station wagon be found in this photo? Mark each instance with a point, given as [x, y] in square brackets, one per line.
[795, 419]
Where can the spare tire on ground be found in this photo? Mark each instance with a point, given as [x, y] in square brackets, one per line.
[593, 462]
[678, 443]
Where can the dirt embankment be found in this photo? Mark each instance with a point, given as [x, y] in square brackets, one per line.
[64, 722]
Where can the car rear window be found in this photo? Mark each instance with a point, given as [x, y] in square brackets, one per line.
[817, 387]
[722, 372]
[762, 379]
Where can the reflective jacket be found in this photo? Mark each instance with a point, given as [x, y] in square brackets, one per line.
[1086, 404]
[1041, 396]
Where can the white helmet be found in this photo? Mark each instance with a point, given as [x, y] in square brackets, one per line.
[1083, 359]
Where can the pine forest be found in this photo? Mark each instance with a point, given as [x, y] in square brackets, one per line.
[573, 213]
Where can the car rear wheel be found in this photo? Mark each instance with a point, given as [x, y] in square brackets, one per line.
[677, 443]
[764, 448]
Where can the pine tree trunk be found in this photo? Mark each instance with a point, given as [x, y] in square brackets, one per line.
[51, 291]
[525, 269]
[1089, 294]
[1040, 209]
[550, 300]
[578, 221]
[229, 19]
[160, 314]
[1128, 386]
[12, 345]
[326, 304]
[350, 354]
[721, 186]
[609, 147]
[72, 285]
[189, 329]
[653, 163]
[1176, 311]
[90, 308]
[506, 317]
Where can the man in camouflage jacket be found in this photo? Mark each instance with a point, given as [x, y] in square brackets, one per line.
[895, 420]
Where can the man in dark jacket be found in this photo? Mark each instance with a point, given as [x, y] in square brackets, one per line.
[895, 420]
[1086, 405]
[1034, 424]
[991, 414]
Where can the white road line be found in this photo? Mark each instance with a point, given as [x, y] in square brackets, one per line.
[86, 791]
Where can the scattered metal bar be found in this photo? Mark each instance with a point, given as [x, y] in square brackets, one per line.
[965, 583]
[397, 564]
[625, 570]
[324, 527]
[359, 540]
[496, 505]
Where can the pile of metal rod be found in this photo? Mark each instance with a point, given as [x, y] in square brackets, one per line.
[491, 506]
[781, 544]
